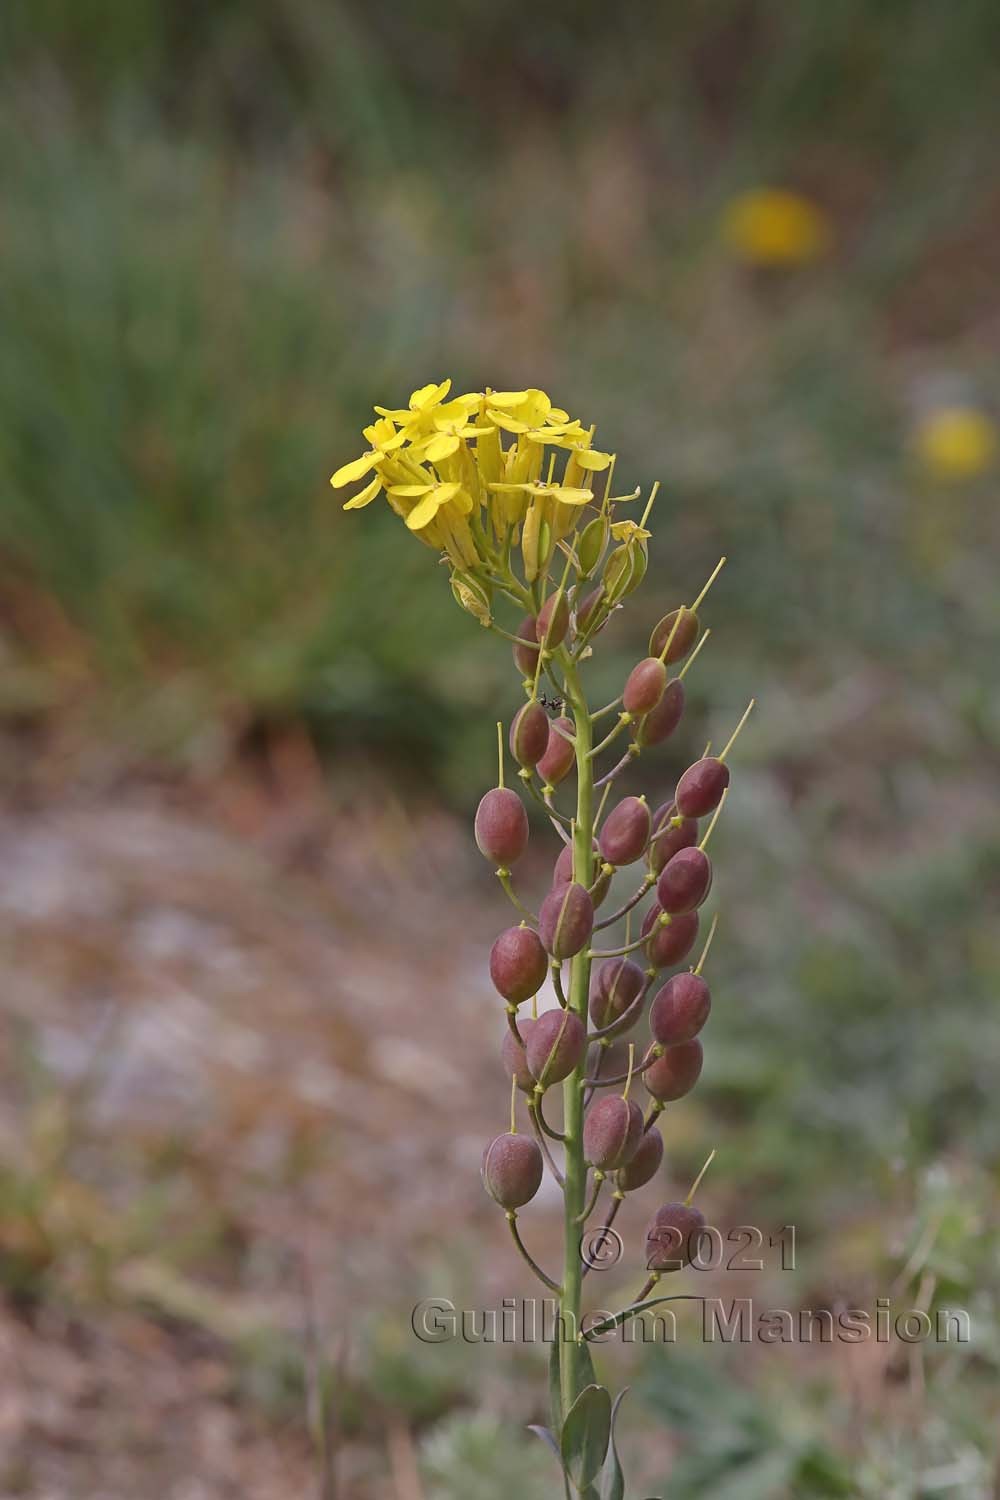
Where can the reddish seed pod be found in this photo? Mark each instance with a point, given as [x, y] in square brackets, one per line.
[644, 1165]
[526, 656]
[563, 872]
[700, 789]
[560, 754]
[684, 881]
[675, 1073]
[626, 830]
[618, 985]
[514, 1058]
[529, 734]
[512, 1170]
[673, 1237]
[684, 636]
[612, 1132]
[588, 607]
[518, 964]
[680, 1009]
[645, 686]
[554, 1046]
[502, 826]
[660, 723]
[553, 621]
[566, 920]
[667, 839]
[669, 943]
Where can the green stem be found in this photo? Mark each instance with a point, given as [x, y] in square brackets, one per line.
[570, 1371]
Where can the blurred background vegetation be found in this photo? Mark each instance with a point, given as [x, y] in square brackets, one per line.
[757, 245]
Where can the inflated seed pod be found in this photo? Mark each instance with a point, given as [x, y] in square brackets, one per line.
[673, 1236]
[611, 1132]
[566, 920]
[560, 753]
[670, 942]
[529, 734]
[588, 607]
[518, 964]
[563, 872]
[684, 637]
[618, 984]
[625, 833]
[644, 1164]
[502, 826]
[667, 839]
[553, 621]
[685, 881]
[680, 1009]
[554, 1046]
[644, 687]
[675, 1073]
[514, 1058]
[512, 1170]
[526, 656]
[700, 789]
[660, 723]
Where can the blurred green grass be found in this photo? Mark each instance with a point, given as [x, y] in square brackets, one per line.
[227, 230]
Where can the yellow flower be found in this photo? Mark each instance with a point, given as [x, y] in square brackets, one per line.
[565, 494]
[430, 498]
[774, 227]
[956, 442]
[629, 531]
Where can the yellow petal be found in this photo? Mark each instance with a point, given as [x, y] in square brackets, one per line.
[423, 512]
[442, 446]
[429, 395]
[410, 489]
[347, 473]
[364, 497]
[445, 492]
[508, 399]
[590, 458]
[567, 495]
[509, 424]
[462, 501]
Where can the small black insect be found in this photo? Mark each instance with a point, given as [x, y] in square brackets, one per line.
[551, 705]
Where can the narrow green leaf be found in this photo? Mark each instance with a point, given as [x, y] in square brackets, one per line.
[612, 1478]
[585, 1435]
[548, 1438]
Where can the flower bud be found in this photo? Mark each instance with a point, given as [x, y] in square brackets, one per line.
[514, 1058]
[529, 734]
[673, 1236]
[612, 1132]
[501, 826]
[566, 920]
[670, 942]
[512, 1170]
[560, 753]
[553, 621]
[644, 1164]
[625, 833]
[554, 1046]
[618, 984]
[684, 636]
[660, 723]
[680, 1009]
[645, 686]
[667, 839]
[675, 1073]
[518, 964]
[526, 656]
[473, 597]
[700, 789]
[685, 881]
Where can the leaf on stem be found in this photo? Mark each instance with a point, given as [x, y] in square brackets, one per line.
[585, 1434]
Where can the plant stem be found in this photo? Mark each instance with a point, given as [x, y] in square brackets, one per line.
[570, 1374]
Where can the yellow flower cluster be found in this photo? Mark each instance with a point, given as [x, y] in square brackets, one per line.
[475, 473]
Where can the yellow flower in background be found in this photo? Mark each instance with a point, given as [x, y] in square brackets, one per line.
[956, 443]
[775, 227]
